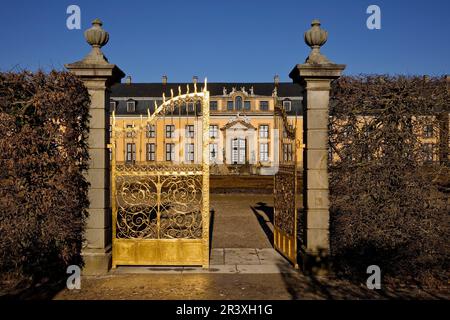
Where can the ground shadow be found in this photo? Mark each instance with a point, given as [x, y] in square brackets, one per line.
[45, 290]
[264, 215]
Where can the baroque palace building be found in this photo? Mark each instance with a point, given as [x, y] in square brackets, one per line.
[244, 135]
[242, 125]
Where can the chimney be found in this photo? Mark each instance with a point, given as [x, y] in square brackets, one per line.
[194, 79]
[276, 79]
[164, 79]
[128, 80]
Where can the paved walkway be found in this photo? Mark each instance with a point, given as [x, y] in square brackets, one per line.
[242, 220]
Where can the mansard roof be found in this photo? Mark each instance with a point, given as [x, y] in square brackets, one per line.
[122, 90]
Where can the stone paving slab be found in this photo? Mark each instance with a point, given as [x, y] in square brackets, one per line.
[270, 256]
[241, 256]
[217, 257]
[265, 268]
[224, 261]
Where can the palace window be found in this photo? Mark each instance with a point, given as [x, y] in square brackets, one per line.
[131, 106]
[131, 152]
[264, 131]
[287, 152]
[230, 105]
[112, 106]
[428, 131]
[151, 131]
[170, 131]
[264, 152]
[130, 132]
[190, 107]
[238, 103]
[247, 105]
[285, 133]
[213, 105]
[151, 151]
[213, 131]
[287, 105]
[189, 131]
[213, 152]
[189, 152]
[170, 151]
[264, 105]
[110, 130]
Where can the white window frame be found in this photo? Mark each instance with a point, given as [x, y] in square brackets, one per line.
[133, 104]
[189, 152]
[189, 131]
[287, 105]
[170, 133]
[213, 131]
[264, 151]
[264, 133]
[151, 151]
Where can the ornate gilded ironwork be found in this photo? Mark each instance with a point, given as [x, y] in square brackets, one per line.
[284, 199]
[285, 188]
[161, 211]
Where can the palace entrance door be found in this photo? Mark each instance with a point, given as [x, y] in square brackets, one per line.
[238, 151]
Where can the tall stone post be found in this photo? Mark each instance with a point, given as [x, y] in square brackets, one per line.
[98, 75]
[316, 75]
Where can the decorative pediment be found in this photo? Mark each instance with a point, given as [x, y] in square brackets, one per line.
[235, 92]
[238, 123]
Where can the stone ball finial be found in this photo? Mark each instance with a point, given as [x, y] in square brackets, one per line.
[95, 35]
[316, 37]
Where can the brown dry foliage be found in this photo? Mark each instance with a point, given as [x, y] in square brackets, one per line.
[387, 208]
[43, 193]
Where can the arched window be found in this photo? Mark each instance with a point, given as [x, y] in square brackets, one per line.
[238, 103]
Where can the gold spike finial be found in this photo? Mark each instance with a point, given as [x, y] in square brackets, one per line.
[206, 81]
[187, 89]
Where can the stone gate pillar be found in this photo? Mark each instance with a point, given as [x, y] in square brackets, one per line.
[316, 75]
[98, 75]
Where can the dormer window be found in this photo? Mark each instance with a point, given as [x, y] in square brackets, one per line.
[238, 103]
[264, 105]
[112, 106]
[131, 106]
[287, 105]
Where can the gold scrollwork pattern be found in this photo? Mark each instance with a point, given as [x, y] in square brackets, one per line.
[159, 206]
[284, 199]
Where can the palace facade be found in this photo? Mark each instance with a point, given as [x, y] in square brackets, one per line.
[242, 125]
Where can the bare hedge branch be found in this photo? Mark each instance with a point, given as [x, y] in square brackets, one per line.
[389, 188]
[43, 153]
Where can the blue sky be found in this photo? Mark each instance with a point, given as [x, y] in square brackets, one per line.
[228, 40]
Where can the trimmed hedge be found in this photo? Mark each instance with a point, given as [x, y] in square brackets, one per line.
[43, 193]
[387, 208]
